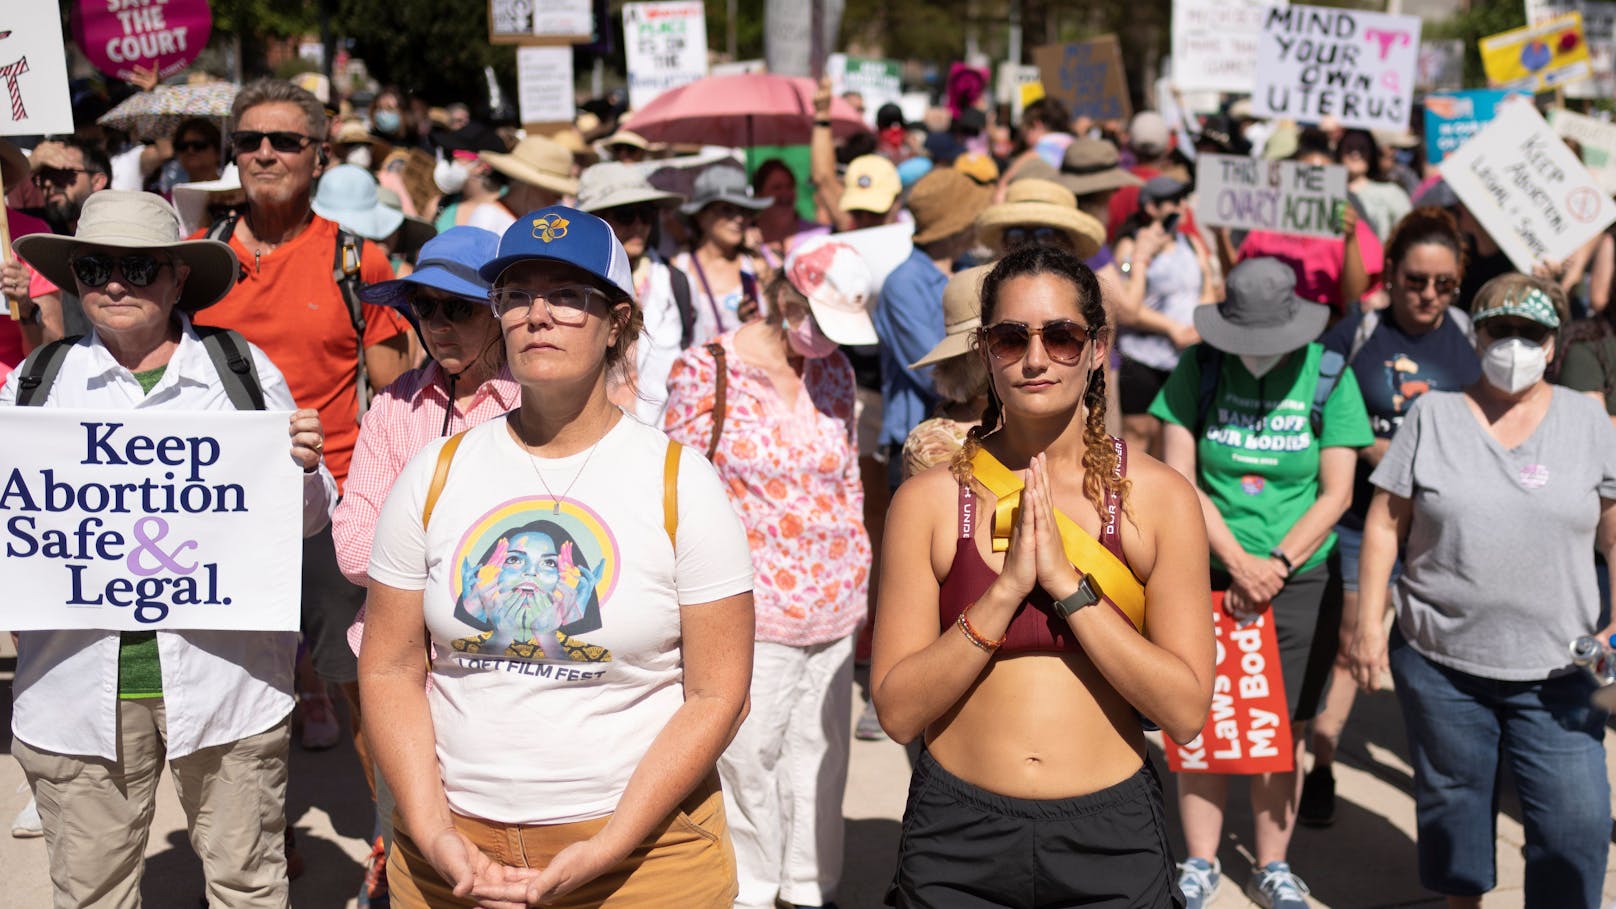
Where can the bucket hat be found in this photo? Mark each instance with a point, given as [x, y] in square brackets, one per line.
[537, 161]
[1040, 203]
[1261, 314]
[347, 195]
[610, 184]
[945, 202]
[723, 184]
[125, 219]
[1162, 189]
[1092, 166]
[559, 233]
[447, 262]
[962, 315]
[839, 287]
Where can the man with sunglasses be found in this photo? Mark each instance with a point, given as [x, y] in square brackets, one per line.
[66, 172]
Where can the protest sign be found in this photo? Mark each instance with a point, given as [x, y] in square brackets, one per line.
[1215, 44]
[1246, 193]
[541, 22]
[544, 85]
[1598, 141]
[877, 81]
[1086, 76]
[1451, 118]
[1248, 729]
[1440, 67]
[119, 35]
[33, 67]
[1527, 189]
[1539, 57]
[1598, 30]
[665, 46]
[1356, 67]
[1008, 79]
[882, 248]
[148, 519]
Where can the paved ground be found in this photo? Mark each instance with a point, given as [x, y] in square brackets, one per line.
[1366, 860]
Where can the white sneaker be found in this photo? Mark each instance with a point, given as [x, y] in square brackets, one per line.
[1198, 879]
[1275, 886]
[27, 825]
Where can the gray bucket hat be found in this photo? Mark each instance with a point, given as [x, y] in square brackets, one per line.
[723, 184]
[1261, 314]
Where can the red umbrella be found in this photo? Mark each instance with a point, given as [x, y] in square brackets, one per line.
[740, 111]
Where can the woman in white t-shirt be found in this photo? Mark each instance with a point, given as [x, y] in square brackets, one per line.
[725, 276]
[586, 593]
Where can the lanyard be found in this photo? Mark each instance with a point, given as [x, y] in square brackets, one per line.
[712, 300]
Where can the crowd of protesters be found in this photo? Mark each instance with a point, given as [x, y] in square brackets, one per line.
[611, 443]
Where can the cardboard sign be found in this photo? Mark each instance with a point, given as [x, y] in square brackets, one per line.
[878, 81]
[1355, 67]
[1527, 189]
[1215, 43]
[136, 520]
[1598, 141]
[33, 71]
[1087, 76]
[1598, 29]
[119, 35]
[1537, 57]
[544, 84]
[665, 45]
[1248, 730]
[1282, 196]
[541, 22]
[1451, 118]
[1440, 67]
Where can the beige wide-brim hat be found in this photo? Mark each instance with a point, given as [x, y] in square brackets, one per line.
[538, 161]
[13, 166]
[1040, 203]
[124, 219]
[962, 315]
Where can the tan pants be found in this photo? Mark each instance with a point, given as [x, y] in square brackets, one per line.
[97, 813]
[687, 861]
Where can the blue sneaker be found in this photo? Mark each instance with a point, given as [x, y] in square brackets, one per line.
[1273, 886]
[1198, 879]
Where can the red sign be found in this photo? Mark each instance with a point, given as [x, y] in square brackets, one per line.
[1248, 730]
[118, 35]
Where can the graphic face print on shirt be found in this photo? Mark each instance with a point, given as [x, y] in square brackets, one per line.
[534, 581]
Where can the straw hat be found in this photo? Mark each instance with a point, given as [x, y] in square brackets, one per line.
[1261, 314]
[353, 132]
[944, 203]
[538, 161]
[1040, 203]
[962, 315]
[123, 219]
[569, 138]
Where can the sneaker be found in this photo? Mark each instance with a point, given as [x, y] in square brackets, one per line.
[1273, 886]
[320, 727]
[1198, 879]
[27, 825]
[869, 725]
[1317, 808]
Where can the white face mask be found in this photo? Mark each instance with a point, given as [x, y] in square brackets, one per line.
[1259, 366]
[360, 156]
[450, 176]
[1514, 364]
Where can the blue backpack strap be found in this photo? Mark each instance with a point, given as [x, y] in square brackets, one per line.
[38, 372]
[228, 351]
[1209, 361]
[1331, 366]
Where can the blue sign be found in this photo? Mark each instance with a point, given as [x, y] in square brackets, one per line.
[1451, 118]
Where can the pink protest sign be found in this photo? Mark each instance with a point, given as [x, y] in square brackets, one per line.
[118, 35]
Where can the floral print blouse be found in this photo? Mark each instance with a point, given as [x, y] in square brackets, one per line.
[793, 476]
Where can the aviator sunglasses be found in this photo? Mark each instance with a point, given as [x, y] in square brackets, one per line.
[1063, 340]
[138, 269]
[1445, 284]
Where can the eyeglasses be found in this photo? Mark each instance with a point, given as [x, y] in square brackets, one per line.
[245, 142]
[138, 269]
[192, 145]
[567, 305]
[1040, 236]
[453, 309]
[629, 214]
[1063, 340]
[57, 176]
[1445, 284]
[1499, 329]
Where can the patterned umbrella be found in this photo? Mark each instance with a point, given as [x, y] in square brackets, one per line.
[153, 114]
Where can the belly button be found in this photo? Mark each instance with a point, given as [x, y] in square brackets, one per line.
[1035, 761]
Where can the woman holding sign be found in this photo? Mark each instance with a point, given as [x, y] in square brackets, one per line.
[97, 713]
[1026, 673]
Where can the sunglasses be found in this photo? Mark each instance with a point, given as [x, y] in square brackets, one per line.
[631, 214]
[245, 142]
[1445, 284]
[138, 269]
[1063, 340]
[1040, 236]
[726, 211]
[1532, 332]
[567, 305]
[454, 309]
[192, 145]
[57, 176]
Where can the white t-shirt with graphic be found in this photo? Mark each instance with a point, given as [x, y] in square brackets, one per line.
[557, 632]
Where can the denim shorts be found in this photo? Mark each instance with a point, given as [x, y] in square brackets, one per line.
[1350, 542]
[1461, 728]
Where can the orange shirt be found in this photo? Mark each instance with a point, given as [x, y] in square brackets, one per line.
[288, 304]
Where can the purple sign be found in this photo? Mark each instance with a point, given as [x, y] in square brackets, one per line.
[119, 35]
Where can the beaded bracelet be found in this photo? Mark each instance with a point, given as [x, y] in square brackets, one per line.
[971, 634]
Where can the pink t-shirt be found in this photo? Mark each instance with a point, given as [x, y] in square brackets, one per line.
[1317, 260]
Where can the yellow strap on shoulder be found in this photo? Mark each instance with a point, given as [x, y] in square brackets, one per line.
[670, 493]
[440, 476]
[1084, 551]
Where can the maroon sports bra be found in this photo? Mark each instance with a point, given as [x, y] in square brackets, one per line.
[1034, 627]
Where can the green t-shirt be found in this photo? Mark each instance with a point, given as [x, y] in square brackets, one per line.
[149, 378]
[140, 672]
[1257, 458]
[1588, 366]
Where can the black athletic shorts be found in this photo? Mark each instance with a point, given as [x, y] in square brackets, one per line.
[1137, 386]
[1307, 625]
[966, 848]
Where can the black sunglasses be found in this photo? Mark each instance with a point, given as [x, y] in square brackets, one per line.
[1041, 236]
[1063, 340]
[57, 176]
[192, 145]
[643, 213]
[1445, 284]
[138, 269]
[1498, 330]
[454, 309]
[245, 142]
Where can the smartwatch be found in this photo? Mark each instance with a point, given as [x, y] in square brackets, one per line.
[1088, 593]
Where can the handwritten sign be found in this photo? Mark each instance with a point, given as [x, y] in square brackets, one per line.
[666, 47]
[137, 520]
[1248, 730]
[119, 35]
[1215, 43]
[1087, 76]
[33, 71]
[544, 84]
[540, 22]
[1527, 189]
[1598, 141]
[1282, 196]
[1537, 57]
[1355, 67]
[877, 81]
[1451, 118]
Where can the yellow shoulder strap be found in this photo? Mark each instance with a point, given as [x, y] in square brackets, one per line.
[670, 493]
[440, 476]
[1115, 578]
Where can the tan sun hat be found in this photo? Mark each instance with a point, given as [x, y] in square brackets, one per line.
[353, 132]
[962, 315]
[536, 160]
[1092, 166]
[1040, 203]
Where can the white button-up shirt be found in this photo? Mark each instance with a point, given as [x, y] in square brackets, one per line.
[218, 686]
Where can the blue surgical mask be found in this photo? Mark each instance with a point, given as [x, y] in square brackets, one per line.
[387, 121]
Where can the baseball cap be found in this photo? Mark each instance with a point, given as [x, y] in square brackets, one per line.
[839, 287]
[562, 234]
[1148, 132]
[978, 167]
[871, 184]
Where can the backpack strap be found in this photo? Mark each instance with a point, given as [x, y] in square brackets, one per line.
[228, 351]
[1366, 328]
[1331, 366]
[345, 271]
[687, 309]
[670, 493]
[39, 370]
[1209, 360]
[720, 397]
[440, 476]
[224, 230]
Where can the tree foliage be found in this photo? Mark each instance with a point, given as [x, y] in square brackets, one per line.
[1483, 18]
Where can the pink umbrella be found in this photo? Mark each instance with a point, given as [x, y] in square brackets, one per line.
[741, 111]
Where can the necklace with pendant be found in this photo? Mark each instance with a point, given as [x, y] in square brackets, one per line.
[532, 461]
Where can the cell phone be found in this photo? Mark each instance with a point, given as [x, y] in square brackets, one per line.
[1170, 223]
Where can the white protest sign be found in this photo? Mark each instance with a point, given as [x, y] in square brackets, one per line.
[665, 45]
[1526, 187]
[544, 84]
[1356, 67]
[883, 248]
[1282, 196]
[142, 519]
[1598, 141]
[33, 71]
[1215, 43]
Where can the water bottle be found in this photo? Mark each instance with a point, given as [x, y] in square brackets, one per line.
[1595, 657]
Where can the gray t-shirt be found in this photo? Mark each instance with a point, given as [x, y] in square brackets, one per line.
[1498, 571]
